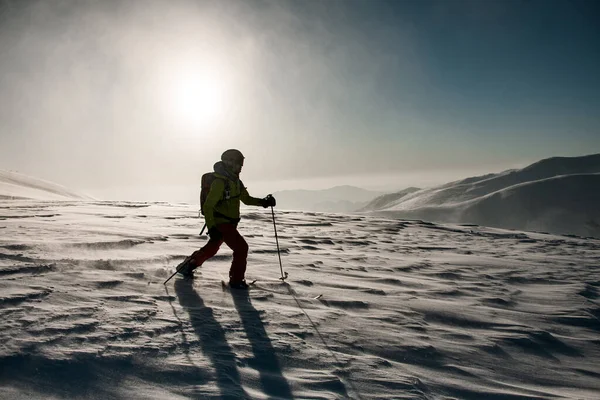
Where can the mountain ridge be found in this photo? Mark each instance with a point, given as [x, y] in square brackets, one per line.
[558, 194]
[342, 198]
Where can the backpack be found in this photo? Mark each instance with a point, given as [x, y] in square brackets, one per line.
[207, 180]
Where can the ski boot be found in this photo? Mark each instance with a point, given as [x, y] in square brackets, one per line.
[186, 269]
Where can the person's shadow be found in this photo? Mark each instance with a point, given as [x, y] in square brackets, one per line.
[265, 361]
[212, 339]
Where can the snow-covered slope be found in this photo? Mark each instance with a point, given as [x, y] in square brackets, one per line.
[559, 195]
[385, 200]
[14, 185]
[373, 308]
[568, 204]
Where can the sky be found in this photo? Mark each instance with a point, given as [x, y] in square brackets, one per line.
[140, 98]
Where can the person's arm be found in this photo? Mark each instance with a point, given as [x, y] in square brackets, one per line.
[214, 196]
[249, 200]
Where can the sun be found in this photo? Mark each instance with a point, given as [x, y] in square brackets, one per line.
[197, 99]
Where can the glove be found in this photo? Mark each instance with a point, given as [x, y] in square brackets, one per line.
[268, 201]
[215, 234]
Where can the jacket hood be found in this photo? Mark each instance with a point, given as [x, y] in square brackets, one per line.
[221, 169]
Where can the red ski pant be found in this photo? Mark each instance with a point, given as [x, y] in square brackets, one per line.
[235, 241]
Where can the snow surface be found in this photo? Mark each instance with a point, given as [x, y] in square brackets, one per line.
[373, 308]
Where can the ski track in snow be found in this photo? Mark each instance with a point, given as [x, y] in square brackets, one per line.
[373, 308]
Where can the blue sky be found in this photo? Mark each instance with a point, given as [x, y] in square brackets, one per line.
[315, 93]
[488, 71]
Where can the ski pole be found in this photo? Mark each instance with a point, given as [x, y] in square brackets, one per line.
[277, 241]
[203, 228]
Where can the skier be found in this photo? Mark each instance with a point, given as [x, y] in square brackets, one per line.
[222, 214]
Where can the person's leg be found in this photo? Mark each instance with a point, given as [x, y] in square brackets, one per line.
[236, 242]
[209, 250]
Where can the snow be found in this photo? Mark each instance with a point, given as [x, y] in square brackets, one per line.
[14, 185]
[557, 195]
[373, 308]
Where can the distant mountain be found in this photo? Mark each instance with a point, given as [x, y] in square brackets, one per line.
[336, 199]
[560, 195]
[14, 185]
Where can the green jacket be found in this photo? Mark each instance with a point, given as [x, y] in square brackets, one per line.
[220, 210]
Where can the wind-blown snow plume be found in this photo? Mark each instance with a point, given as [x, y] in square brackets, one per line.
[14, 185]
[559, 195]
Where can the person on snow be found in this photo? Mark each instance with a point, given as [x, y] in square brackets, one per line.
[222, 215]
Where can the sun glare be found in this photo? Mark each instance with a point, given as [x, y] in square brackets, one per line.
[197, 99]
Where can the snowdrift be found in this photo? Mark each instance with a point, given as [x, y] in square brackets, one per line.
[16, 186]
[559, 195]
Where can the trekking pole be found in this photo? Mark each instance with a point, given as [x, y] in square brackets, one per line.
[277, 241]
[165, 282]
[176, 271]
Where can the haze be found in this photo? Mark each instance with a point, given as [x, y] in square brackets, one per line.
[138, 99]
